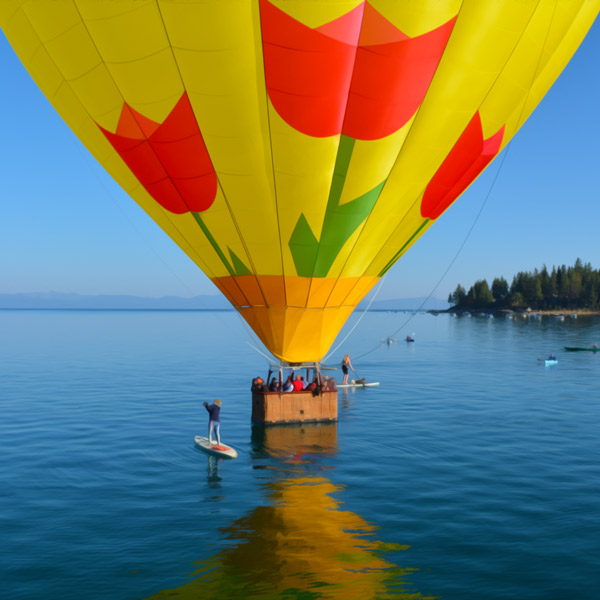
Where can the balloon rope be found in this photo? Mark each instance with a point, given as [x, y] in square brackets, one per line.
[108, 192]
[359, 320]
[253, 337]
[504, 155]
[259, 351]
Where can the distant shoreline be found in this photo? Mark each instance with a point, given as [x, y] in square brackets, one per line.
[64, 301]
[160, 309]
[107, 309]
[520, 311]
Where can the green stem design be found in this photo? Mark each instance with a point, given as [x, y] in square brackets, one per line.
[314, 258]
[236, 267]
[396, 256]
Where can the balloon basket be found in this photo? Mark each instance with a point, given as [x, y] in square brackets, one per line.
[272, 408]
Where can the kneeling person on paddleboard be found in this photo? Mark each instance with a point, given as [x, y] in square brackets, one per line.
[214, 423]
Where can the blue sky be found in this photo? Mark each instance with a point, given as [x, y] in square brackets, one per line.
[67, 227]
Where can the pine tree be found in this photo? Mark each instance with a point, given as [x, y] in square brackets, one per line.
[499, 288]
[564, 287]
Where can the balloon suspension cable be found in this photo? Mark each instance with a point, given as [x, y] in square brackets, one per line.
[109, 193]
[379, 285]
[269, 359]
[282, 362]
[489, 192]
[131, 223]
[252, 337]
[466, 238]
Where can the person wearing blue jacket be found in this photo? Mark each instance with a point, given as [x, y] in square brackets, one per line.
[214, 423]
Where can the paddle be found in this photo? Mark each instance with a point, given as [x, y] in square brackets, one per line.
[357, 375]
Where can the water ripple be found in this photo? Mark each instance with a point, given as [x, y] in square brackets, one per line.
[471, 472]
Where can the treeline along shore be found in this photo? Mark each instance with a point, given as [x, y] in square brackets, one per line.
[575, 288]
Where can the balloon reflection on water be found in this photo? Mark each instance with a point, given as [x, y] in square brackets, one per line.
[300, 544]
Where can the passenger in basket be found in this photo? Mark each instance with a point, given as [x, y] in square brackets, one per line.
[298, 384]
[313, 385]
[288, 386]
[257, 384]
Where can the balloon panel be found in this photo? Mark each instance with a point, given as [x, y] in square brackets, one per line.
[295, 150]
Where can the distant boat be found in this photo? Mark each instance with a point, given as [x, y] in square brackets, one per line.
[594, 348]
[551, 361]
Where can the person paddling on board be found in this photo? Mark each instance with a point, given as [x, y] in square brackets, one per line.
[214, 423]
[345, 364]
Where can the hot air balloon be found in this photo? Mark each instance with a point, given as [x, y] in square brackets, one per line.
[294, 149]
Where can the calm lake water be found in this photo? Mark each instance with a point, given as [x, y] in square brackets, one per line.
[471, 472]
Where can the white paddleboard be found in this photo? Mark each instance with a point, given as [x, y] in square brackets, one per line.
[349, 385]
[215, 449]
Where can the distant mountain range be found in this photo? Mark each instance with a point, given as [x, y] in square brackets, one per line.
[55, 300]
[79, 301]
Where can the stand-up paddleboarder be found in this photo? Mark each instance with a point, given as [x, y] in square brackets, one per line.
[214, 423]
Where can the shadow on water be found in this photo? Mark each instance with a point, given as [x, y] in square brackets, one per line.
[300, 543]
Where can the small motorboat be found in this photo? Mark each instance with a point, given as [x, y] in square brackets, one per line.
[594, 348]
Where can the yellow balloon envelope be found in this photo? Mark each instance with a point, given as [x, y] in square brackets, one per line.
[295, 149]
